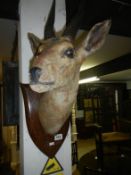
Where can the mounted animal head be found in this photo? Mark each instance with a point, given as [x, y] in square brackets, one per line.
[57, 61]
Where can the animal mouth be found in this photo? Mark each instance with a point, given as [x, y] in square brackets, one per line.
[43, 83]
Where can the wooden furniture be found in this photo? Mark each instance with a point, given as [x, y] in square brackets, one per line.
[101, 103]
[47, 143]
[111, 162]
[115, 141]
[103, 110]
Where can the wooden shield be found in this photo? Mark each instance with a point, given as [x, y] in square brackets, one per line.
[48, 144]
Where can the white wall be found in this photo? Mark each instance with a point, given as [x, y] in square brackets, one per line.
[32, 19]
[114, 47]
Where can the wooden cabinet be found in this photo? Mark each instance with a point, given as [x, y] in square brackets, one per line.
[102, 103]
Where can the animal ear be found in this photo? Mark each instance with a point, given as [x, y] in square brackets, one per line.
[96, 37]
[34, 41]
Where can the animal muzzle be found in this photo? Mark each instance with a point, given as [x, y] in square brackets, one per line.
[35, 73]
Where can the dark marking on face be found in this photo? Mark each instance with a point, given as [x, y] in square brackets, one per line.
[35, 73]
[70, 53]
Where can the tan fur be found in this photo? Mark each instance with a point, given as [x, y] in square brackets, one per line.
[60, 75]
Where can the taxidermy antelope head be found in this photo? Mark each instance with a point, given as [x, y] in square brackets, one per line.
[56, 65]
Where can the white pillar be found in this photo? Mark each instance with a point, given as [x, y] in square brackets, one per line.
[32, 19]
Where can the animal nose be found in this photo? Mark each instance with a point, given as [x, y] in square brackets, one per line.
[35, 73]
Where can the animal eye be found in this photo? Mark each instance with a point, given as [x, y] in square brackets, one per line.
[69, 53]
[39, 51]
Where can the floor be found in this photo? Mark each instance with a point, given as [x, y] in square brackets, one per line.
[84, 147]
[87, 146]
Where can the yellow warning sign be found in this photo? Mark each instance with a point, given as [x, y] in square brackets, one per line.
[52, 166]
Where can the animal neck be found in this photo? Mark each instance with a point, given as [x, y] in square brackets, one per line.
[55, 107]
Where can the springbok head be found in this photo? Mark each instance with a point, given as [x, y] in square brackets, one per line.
[57, 61]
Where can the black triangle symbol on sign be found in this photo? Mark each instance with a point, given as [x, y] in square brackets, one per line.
[52, 166]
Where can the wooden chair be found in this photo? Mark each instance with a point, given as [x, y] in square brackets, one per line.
[117, 139]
